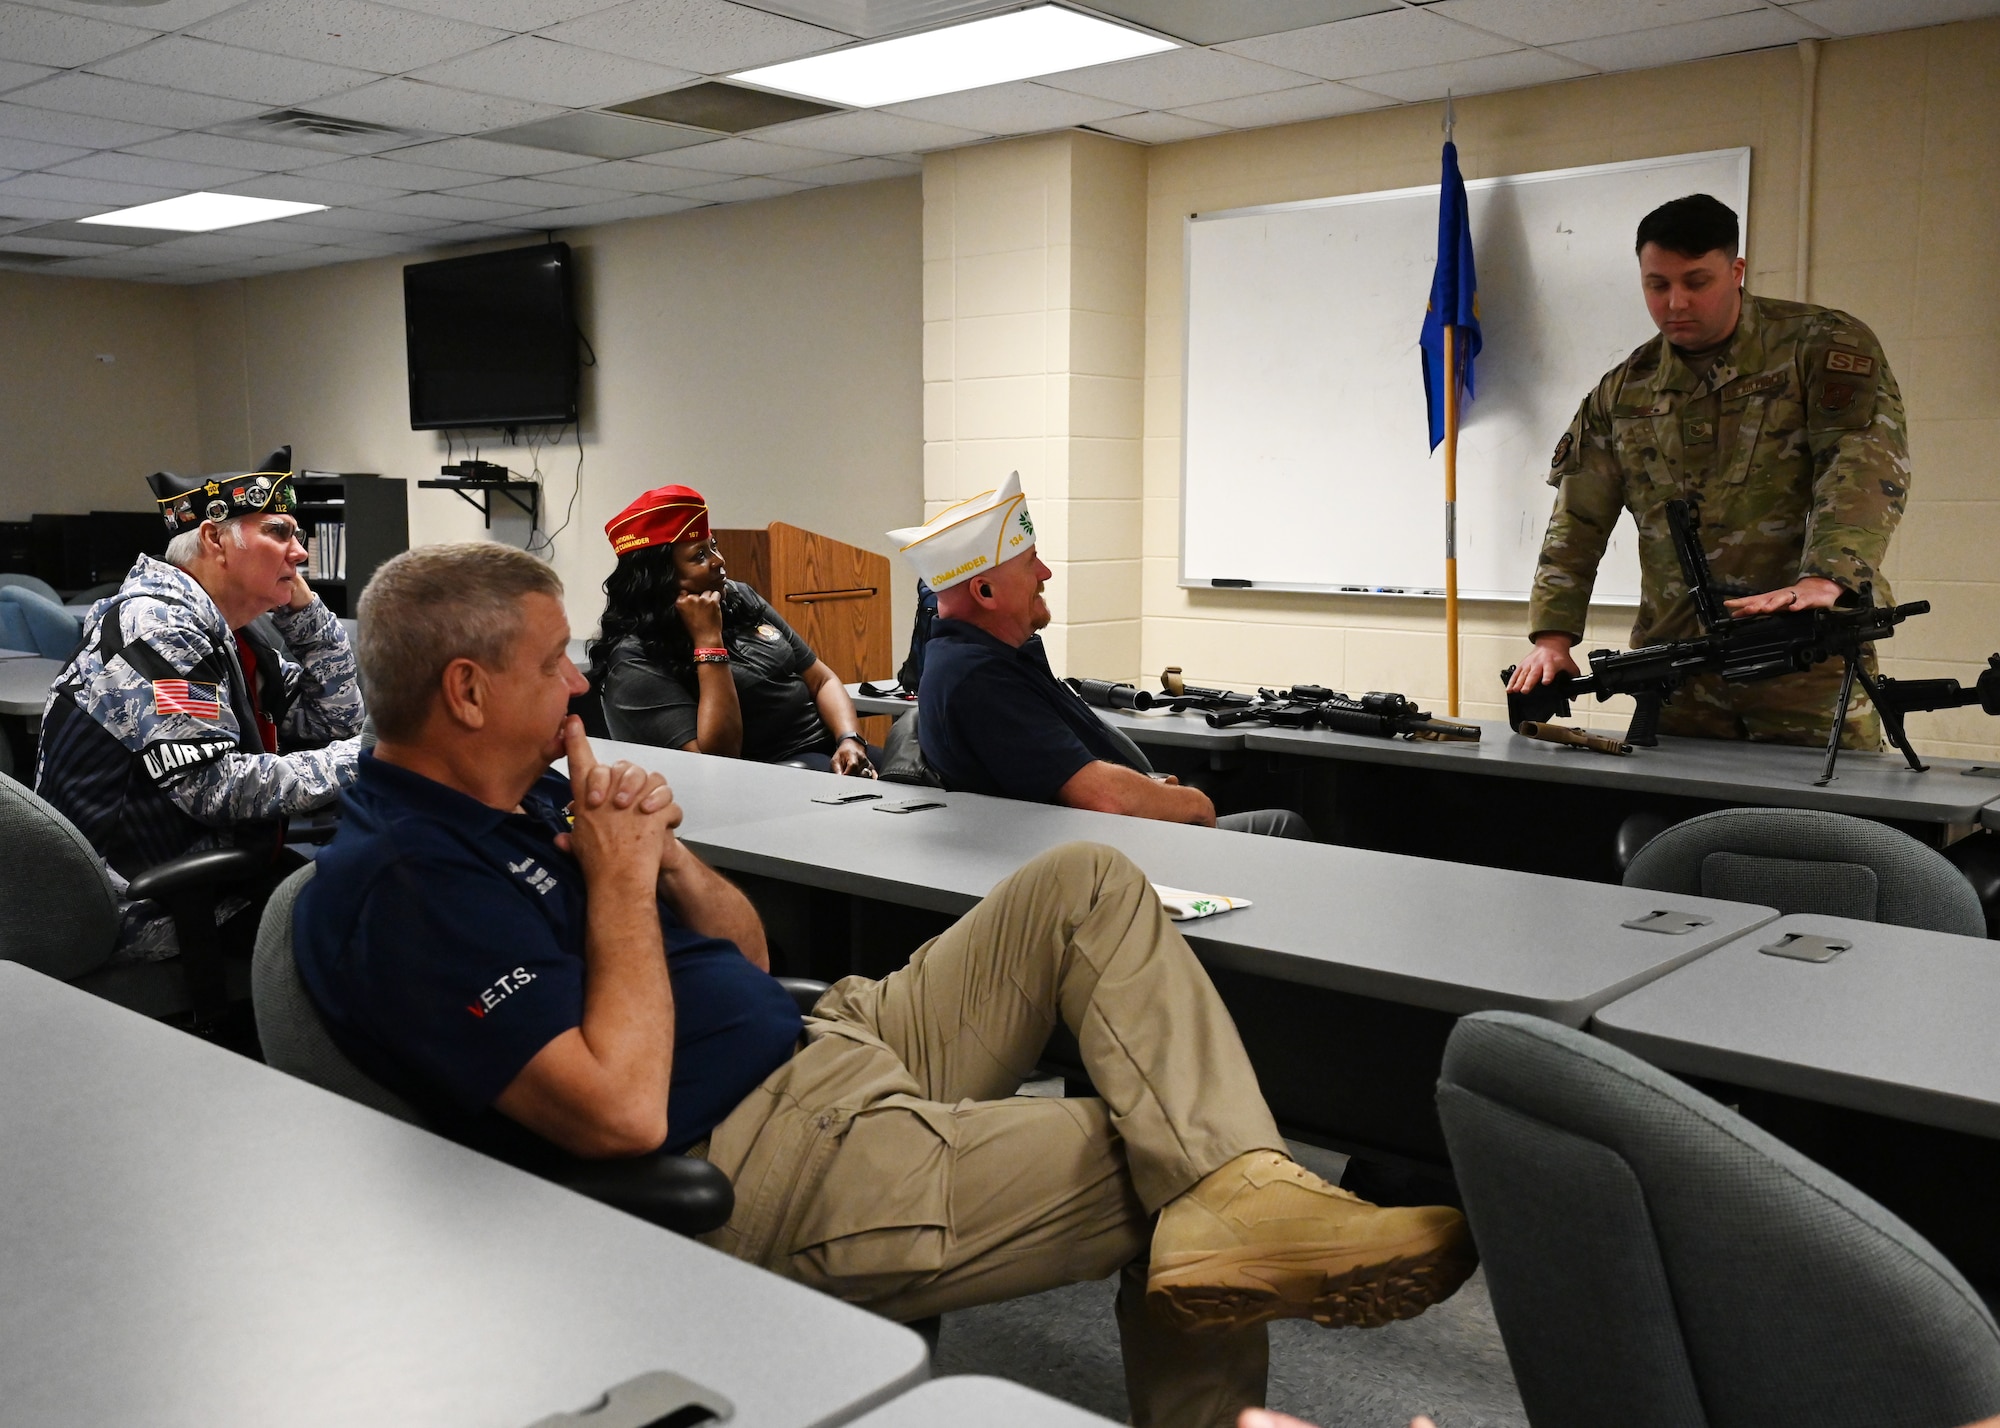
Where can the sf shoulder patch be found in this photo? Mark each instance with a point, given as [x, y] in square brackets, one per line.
[1563, 449]
[1844, 359]
[178, 696]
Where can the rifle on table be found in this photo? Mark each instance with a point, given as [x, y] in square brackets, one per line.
[1182, 696]
[1314, 706]
[1897, 697]
[1108, 694]
[1742, 649]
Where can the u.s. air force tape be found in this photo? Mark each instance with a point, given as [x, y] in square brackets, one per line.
[166, 759]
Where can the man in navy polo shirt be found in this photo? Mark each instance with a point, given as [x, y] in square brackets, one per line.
[543, 959]
[993, 718]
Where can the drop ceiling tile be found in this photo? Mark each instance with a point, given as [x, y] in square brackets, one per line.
[115, 269]
[483, 156]
[44, 209]
[1477, 76]
[1178, 78]
[649, 205]
[235, 153]
[603, 136]
[104, 235]
[1022, 107]
[741, 189]
[1555, 22]
[540, 193]
[153, 14]
[744, 156]
[633, 177]
[205, 67]
[1204, 22]
[1373, 44]
[1287, 106]
[869, 132]
[705, 36]
[309, 187]
[858, 171]
[165, 173]
[1672, 44]
[106, 98]
[549, 72]
[519, 15]
[394, 173]
[33, 154]
[1867, 17]
[55, 247]
[244, 242]
[466, 233]
[412, 104]
[35, 36]
[450, 206]
[103, 193]
[82, 131]
[383, 241]
[1157, 128]
[354, 33]
[13, 76]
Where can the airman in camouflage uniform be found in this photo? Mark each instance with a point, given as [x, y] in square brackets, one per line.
[152, 741]
[1794, 450]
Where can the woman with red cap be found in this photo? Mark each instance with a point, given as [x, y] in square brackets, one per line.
[689, 659]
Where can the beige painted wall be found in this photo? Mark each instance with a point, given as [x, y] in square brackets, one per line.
[1905, 209]
[82, 434]
[767, 353]
[1034, 317]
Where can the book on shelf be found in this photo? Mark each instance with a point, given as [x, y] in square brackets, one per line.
[326, 556]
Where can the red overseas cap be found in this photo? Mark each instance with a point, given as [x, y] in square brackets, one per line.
[660, 517]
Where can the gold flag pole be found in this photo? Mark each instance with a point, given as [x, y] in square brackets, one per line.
[1451, 518]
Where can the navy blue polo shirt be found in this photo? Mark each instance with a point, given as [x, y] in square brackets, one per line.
[442, 941]
[993, 718]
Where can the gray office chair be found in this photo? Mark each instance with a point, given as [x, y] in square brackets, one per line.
[1805, 860]
[675, 1192]
[1656, 1261]
[19, 581]
[31, 621]
[60, 915]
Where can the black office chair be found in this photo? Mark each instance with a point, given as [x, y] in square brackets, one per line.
[60, 915]
[1657, 1261]
[675, 1192]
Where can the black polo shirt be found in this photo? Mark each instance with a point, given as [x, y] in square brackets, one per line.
[442, 941]
[995, 719]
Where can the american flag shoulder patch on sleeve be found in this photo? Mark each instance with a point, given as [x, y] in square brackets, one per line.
[178, 696]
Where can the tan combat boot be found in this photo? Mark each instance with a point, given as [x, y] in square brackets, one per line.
[1264, 1238]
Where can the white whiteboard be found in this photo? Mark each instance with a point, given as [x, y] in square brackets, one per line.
[1305, 451]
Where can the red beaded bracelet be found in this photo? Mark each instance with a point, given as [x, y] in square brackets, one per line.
[711, 656]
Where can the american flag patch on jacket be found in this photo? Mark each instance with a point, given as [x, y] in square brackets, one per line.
[177, 696]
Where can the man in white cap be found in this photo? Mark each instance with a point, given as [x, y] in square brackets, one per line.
[994, 718]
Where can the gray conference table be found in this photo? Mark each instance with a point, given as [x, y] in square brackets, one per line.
[191, 1238]
[24, 685]
[1900, 1025]
[972, 1401]
[18, 654]
[1452, 937]
[1868, 785]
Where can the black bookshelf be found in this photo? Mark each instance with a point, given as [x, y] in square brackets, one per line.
[375, 514]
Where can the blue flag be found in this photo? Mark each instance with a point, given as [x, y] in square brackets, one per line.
[1454, 296]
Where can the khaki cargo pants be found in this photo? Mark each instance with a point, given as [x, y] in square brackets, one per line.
[889, 1164]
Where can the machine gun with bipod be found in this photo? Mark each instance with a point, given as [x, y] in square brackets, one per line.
[1741, 648]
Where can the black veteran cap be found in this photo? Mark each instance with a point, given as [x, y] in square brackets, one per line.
[186, 501]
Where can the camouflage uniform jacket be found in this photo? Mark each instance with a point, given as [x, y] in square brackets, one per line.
[1794, 449]
[148, 742]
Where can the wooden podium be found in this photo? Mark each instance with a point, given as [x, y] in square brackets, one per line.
[834, 594]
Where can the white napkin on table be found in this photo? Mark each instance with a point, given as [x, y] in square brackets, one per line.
[1185, 906]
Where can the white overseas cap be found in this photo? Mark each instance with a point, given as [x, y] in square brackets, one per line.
[972, 536]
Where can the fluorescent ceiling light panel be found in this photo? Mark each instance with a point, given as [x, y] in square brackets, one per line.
[1020, 45]
[204, 212]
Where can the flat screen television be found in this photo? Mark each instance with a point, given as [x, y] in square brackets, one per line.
[492, 339]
